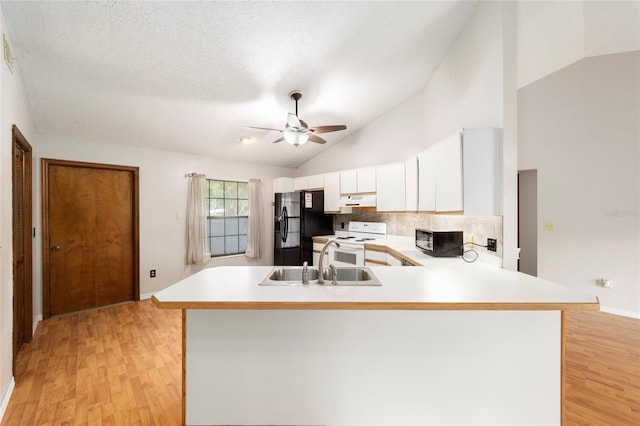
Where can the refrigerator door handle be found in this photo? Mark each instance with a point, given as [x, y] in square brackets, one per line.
[285, 225]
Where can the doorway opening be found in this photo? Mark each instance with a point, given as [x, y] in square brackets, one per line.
[22, 242]
[528, 221]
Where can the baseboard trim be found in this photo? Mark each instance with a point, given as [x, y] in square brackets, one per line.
[36, 320]
[621, 312]
[146, 296]
[7, 397]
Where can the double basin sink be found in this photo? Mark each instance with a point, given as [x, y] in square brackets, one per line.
[292, 275]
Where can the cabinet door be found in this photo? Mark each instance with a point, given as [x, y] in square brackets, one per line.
[482, 162]
[367, 179]
[393, 261]
[282, 184]
[390, 186]
[349, 182]
[411, 184]
[448, 157]
[315, 182]
[331, 192]
[427, 180]
[300, 183]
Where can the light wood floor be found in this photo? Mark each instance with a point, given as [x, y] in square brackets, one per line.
[602, 369]
[119, 366]
[122, 365]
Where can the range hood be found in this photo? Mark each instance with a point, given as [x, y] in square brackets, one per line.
[357, 201]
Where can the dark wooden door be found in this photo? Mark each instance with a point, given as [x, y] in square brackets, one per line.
[22, 242]
[90, 214]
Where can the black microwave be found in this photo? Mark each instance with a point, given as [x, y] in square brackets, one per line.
[439, 243]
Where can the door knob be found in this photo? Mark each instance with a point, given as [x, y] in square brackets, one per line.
[55, 248]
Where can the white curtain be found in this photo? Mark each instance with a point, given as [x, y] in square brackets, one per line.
[197, 243]
[255, 219]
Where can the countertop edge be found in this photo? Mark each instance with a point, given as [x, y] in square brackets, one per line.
[379, 306]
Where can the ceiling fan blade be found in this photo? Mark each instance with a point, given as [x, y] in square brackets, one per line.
[263, 128]
[279, 140]
[327, 129]
[316, 139]
[294, 121]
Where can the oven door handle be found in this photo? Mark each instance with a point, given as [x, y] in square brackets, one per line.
[346, 248]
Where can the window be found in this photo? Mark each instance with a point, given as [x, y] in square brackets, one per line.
[228, 216]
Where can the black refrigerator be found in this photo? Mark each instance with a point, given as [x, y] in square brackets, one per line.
[299, 216]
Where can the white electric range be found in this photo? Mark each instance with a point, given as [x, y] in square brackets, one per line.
[351, 250]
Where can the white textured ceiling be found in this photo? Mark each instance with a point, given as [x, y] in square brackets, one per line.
[187, 76]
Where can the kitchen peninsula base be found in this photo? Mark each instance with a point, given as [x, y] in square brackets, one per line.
[449, 343]
[372, 367]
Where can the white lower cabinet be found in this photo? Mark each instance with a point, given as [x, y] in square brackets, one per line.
[375, 257]
[393, 261]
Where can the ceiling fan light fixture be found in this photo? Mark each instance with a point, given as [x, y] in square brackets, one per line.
[296, 138]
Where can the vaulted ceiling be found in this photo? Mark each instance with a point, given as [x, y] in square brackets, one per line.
[188, 76]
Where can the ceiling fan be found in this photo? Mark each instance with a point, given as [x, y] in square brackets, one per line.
[296, 131]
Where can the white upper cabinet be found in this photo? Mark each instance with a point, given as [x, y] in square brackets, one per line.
[462, 173]
[390, 185]
[299, 183]
[482, 162]
[358, 181]
[283, 184]
[411, 184]
[427, 180]
[449, 174]
[367, 179]
[331, 192]
[440, 176]
[315, 182]
[308, 183]
[349, 182]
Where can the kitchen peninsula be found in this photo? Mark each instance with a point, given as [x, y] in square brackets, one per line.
[450, 343]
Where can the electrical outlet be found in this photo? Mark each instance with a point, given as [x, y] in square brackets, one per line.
[492, 244]
[152, 273]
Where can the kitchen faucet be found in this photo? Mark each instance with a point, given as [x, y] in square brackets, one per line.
[322, 252]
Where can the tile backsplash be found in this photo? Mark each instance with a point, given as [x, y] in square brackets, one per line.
[404, 224]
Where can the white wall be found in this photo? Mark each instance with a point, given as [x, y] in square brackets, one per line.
[163, 200]
[14, 109]
[393, 137]
[554, 34]
[466, 88]
[580, 128]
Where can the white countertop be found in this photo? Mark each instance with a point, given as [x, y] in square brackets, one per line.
[445, 284]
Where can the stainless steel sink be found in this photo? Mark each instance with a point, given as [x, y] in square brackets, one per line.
[356, 275]
[288, 275]
[347, 276]
[291, 274]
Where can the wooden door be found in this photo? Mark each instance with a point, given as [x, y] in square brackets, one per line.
[22, 242]
[90, 241]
